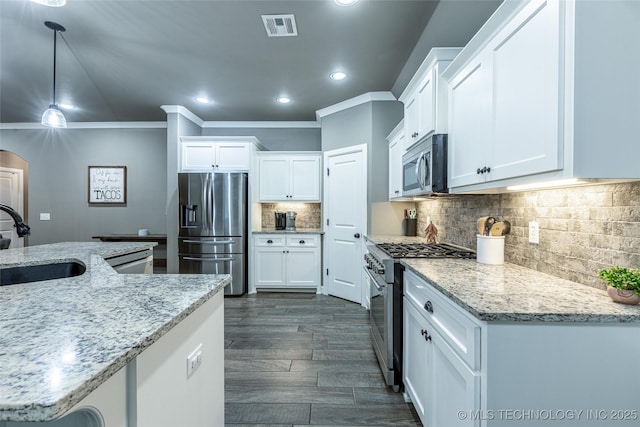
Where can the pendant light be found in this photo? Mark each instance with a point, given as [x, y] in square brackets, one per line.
[53, 117]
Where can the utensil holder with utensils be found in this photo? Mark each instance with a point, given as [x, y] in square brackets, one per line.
[490, 244]
[490, 250]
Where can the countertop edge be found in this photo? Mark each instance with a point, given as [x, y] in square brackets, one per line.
[524, 317]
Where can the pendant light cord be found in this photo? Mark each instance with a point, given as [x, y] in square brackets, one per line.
[55, 33]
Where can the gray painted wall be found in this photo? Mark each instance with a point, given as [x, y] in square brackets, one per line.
[275, 139]
[347, 127]
[58, 169]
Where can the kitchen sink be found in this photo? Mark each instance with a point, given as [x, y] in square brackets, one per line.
[37, 273]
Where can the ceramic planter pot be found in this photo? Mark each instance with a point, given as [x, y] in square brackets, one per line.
[623, 296]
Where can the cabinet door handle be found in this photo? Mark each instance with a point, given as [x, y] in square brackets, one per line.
[269, 241]
[302, 242]
[478, 171]
[428, 306]
[425, 334]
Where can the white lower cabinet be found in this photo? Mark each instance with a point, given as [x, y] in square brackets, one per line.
[438, 382]
[461, 371]
[287, 261]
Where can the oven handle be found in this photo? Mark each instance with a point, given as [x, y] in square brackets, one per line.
[373, 279]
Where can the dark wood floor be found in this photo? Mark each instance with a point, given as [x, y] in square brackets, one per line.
[304, 359]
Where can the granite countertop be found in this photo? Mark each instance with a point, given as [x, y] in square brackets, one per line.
[510, 292]
[297, 230]
[60, 339]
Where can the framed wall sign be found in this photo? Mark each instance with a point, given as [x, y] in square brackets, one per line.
[107, 185]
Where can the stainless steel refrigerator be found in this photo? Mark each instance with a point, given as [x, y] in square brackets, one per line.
[213, 226]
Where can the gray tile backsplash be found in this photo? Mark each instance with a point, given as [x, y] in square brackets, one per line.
[582, 229]
[309, 215]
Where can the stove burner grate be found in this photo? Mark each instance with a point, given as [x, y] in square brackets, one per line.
[425, 250]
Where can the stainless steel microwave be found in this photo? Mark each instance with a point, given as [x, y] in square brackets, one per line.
[424, 167]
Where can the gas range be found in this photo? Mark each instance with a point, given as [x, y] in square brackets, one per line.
[381, 257]
[385, 275]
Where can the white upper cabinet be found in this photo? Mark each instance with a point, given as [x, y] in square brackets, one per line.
[396, 147]
[526, 103]
[287, 176]
[425, 97]
[470, 105]
[218, 154]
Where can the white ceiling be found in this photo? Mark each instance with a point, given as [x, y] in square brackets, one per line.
[119, 60]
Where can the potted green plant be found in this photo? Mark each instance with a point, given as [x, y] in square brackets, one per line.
[623, 284]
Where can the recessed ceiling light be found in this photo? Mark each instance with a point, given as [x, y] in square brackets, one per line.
[67, 106]
[338, 75]
[51, 3]
[283, 99]
[345, 2]
[203, 100]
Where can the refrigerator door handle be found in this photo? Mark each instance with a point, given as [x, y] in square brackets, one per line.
[208, 242]
[188, 258]
[207, 201]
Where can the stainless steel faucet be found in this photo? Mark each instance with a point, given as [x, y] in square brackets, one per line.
[21, 228]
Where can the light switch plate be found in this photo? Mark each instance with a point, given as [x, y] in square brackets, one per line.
[194, 360]
[534, 232]
[45, 216]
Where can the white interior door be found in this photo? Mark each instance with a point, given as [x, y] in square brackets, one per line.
[11, 195]
[345, 209]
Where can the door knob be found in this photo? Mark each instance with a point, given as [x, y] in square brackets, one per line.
[357, 235]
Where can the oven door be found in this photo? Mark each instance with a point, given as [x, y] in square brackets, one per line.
[380, 316]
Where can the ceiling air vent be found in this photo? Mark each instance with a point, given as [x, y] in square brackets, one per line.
[280, 25]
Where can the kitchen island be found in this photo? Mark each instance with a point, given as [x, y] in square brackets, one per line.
[63, 340]
[503, 345]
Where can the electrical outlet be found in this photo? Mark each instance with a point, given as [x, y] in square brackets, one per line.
[194, 360]
[45, 216]
[534, 232]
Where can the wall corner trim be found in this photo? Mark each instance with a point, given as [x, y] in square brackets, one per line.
[184, 112]
[353, 102]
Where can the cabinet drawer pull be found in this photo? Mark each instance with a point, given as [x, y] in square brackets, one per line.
[302, 242]
[428, 306]
[425, 334]
[269, 241]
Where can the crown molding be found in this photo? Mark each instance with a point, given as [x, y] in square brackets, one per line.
[265, 124]
[353, 102]
[87, 125]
